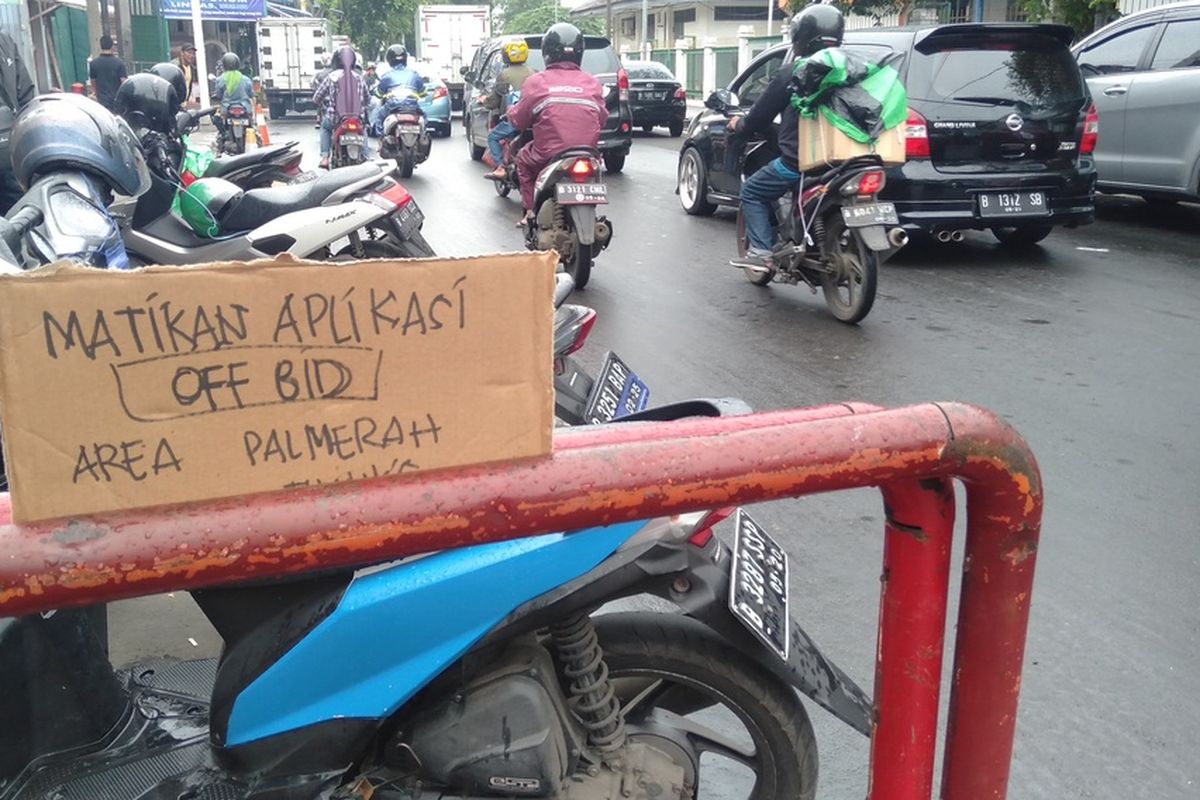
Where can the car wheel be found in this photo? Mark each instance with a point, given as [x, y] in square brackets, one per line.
[476, 151]
[648, 129]
[693, 184]
[676, 129]
[614, 161]
[1025, 236]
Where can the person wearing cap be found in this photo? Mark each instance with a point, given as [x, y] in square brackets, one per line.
[186, 61]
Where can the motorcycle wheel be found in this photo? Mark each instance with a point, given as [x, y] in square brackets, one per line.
[850, 286]
[502, 187]
[743, 245]
[414, 247]
[405, 164]
[580, 267]
[690, 693]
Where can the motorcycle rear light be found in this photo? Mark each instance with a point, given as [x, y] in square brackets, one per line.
[352, 125]
[623, 85]
[237, 111]
[439, 93]
[703, 533]
[581, 335]
[681, 93]
[1091, 132]
[582, 166]
[396, 196]
[870, 183]
[916, 136]
[187, 178]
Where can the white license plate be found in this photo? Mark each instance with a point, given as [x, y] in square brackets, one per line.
[351, 139]
[581, 193]
[408, 128]
[758, 584]
[1013, 204]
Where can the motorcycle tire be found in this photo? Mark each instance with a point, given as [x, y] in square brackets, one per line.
[580, 267]
[674, 665]
[743, 245]
[413, 247]
[405, 164]
[502, 187]
[857, 271]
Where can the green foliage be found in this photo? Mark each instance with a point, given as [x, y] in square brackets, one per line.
[373, 25]
[1079, 14]
[875, 9]
[535, 16]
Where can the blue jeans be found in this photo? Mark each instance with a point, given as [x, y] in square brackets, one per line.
[327, 126]
[503, 130]
[759, 192]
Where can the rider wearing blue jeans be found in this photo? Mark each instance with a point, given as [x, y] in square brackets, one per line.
[813, 29]
[508, 83]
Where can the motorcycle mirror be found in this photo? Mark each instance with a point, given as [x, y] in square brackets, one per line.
[722, 100]
[183, 122]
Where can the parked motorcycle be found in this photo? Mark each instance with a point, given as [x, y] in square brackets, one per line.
[255, 169]
[349, 143]
[831, 234]
[404, 134]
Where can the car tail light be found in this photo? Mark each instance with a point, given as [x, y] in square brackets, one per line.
[916, 136]
[581, 170]
[439, 93]
[703, 533]
[623, 85]
[1091, 132]
[869, 183]
[581, 333]
[681, 93]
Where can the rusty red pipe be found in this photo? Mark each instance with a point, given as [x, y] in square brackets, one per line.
[599, 476]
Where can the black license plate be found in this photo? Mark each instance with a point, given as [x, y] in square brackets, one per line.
[581, 193]
[617, 393]
[758, 585]
[409, 219]
[860, 216]
[1013, 204]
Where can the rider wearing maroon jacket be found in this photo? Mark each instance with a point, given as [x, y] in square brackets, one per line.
[563, 104]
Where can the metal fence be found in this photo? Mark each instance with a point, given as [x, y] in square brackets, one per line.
[727, 65]
[695, 73]
[664, 57]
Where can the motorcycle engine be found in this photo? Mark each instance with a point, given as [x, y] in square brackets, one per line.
[506, 732]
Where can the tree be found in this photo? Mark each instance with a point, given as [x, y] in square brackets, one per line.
[1081, 15]
[878, 10]
[373, 25]
[535, 16]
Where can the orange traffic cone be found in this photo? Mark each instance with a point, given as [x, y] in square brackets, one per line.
[260, 119]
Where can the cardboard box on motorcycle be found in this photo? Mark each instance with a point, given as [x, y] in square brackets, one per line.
[124, 389]
[821, 145]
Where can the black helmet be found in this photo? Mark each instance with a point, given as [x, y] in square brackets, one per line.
[815, 28]
[147, 101]
[397, 56]
[563, 42]
[230, 62]
[57, 131]
[174, 76]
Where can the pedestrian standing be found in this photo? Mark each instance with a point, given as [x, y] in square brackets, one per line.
[186, 61]
[107, 73]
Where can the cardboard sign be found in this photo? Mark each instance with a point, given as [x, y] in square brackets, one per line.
[173, 384]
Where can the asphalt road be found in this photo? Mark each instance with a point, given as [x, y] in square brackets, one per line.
[1089, 345]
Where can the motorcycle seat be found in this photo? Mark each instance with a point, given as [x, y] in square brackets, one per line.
[256, 207]
[220, 167]
[577, 152]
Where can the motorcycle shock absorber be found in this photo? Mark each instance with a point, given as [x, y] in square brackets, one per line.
[592, 695]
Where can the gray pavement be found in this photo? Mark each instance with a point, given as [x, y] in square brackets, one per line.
[1089, 345]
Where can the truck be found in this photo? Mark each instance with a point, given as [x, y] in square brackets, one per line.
[447, 37]
[291, 53]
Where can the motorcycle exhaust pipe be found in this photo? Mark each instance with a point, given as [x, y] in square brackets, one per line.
[897, 237]
[957, 236]
[943, 236]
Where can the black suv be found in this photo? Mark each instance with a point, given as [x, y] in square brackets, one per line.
[599, 59]
[1000, 132]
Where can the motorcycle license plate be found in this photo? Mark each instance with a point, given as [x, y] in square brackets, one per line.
[408, 128]
[758, 584]
[617, 393]
[409, 219]
[861, 216]
[1013, 204]
[581, 193]
[350, 139]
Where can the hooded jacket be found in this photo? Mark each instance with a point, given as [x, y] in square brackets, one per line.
[564, 106]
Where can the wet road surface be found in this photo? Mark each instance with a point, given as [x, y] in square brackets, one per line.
[1089, 345]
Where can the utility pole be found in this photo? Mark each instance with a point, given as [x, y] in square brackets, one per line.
[646, 29]
[201, 65]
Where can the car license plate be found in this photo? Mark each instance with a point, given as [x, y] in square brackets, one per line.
[581, 193]
[617, 393]
[860, 216]
[350, 139]
[1013, 204]
[409, 219]
[758, 584]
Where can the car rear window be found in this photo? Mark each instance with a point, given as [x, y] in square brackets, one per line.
[650, 72]
[1038, 72]
[599, 58]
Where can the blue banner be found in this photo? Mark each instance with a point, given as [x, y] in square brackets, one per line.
[216, 9]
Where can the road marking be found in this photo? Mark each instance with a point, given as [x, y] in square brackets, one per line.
[1093, 249]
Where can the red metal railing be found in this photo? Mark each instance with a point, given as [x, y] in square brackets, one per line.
[604, 475]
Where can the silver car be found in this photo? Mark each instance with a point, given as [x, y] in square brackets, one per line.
[1144, 75]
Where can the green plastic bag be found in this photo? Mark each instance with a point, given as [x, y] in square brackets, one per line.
[196, 161]
[860, 98]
